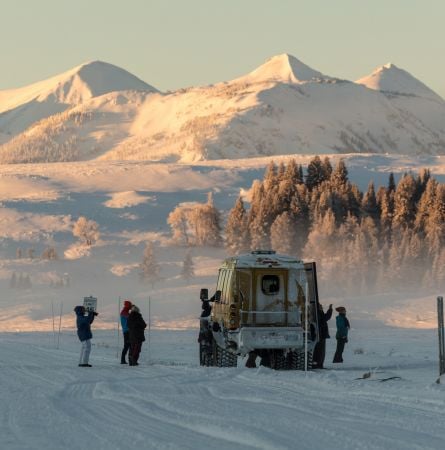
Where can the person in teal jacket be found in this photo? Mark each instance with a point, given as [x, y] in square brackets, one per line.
[342, 333]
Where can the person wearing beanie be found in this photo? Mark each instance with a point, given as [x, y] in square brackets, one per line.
[124, 323]
[136, 327]
[83, 323]
[342, 333]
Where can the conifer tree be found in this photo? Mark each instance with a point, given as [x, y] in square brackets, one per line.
[293, 173]
[270, 178]
[188, 269]
[283, 234]
[369, 203]
[391, 183]
[315, 173]
[404, 203]
[326, 168]
[236, 232]
[339, 175]
[149, 267]
[435, 223]
[425, 207]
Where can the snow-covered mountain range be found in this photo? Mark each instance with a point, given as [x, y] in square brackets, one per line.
[99, 111]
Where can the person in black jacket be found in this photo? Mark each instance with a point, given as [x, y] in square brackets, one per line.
[136, 327]
[323, 334]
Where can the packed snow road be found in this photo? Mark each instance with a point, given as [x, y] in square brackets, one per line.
[169, 402]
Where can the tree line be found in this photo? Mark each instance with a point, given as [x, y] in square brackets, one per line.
[363, 242]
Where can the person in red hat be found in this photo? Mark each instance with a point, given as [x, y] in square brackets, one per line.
[124, 323]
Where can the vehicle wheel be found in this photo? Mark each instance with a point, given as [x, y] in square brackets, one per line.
[224, 358]
[278, 360]
[295, 360]
[206, 358]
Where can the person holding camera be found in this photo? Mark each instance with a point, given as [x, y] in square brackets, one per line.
[83, 323]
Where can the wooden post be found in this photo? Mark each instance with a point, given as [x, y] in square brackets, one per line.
[306, 324]
[60, 324]
[54, 324]
[440, 327]
[118, 324]
[149, 329]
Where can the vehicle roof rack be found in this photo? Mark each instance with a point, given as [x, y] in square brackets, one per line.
[263, 252]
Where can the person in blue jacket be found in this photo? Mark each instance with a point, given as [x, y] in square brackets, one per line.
[83, 323]
[342, 333]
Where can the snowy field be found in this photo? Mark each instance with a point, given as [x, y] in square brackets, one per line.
[131, 201]
[169, 402]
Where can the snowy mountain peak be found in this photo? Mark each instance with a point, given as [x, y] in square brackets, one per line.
[390, 78]
[285, 68]
[99, 78]
[74, 86]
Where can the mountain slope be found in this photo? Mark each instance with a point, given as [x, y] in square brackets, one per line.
[282, 107]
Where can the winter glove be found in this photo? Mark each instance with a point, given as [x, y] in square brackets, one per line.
[95, 313]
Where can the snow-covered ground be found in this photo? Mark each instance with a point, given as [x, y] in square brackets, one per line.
[169, 402]
[131, 201]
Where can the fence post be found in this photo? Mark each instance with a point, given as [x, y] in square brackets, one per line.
[440, 327]
[149, 329]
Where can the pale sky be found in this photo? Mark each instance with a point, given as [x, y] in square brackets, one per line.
[179, 43]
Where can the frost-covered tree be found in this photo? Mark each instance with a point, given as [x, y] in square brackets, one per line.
[205, 220]
[179, 223]
[49, 253]
[283, 234]
[236, 231]
[196, 224]
[188, 269]
[149, 267]
[339, 176]
[315, 173]
[13, 281]
[369, 203]
[86, 230]
[404, 203]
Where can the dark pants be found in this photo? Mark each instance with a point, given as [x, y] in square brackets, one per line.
[319, 354]
[338, 357]
[126, 346]
[135, 350]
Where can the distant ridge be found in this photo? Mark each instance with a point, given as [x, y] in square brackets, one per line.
[283, 107]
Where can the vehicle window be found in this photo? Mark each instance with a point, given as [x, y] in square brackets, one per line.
[270, 284]
[227, 287]
[222, 284]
